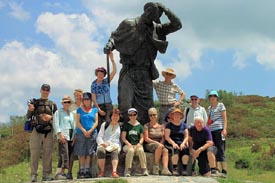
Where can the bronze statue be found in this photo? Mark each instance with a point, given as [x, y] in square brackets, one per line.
[138, 40]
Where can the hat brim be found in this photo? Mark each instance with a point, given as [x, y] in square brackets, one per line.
[65, 101]
[164, 72]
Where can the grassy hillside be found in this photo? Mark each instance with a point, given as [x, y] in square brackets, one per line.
[250, 121]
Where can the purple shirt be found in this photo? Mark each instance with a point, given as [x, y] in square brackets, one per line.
[200, 137]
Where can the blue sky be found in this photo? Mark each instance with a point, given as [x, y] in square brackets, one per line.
[228, 45]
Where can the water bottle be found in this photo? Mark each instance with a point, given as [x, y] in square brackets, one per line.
[223, 137]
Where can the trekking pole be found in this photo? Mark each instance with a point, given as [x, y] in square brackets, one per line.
[108, 68]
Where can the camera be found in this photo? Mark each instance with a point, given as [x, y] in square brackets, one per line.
[32, 101]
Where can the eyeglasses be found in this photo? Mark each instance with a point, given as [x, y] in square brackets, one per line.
[132, 115]
[194, 99]
[67, 102]
[152, 115]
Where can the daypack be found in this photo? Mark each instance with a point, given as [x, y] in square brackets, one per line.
[44, 127]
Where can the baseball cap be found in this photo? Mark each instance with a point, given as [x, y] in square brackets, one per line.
[132, 110]
[45, 86]
[87, 95]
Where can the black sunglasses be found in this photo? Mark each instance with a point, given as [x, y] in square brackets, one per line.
[194, 99]
[67, 102]
[132, 115]
[152, 115]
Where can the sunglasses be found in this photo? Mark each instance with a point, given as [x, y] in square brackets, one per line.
[194, 99]
[152, 115]
[46, 90]
[132, 115]
[66, 102]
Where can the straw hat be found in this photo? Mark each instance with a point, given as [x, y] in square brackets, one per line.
[66, 98]
[169, 71]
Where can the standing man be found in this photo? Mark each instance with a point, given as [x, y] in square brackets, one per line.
[138, 40]
[166, 91]
[193, 111]
[42, 135]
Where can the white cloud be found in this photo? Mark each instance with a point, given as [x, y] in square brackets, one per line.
[18, 12]
[2, 4]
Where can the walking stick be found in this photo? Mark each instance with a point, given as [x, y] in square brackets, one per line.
[108, 68]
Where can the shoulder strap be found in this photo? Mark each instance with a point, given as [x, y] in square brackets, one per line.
[186, 113]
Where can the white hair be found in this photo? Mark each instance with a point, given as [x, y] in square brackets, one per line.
[198, 118]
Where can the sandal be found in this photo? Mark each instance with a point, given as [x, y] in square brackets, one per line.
[115, 175]
[101, 174]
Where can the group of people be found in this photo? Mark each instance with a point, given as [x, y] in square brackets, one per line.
[91, 126]
[175, 137]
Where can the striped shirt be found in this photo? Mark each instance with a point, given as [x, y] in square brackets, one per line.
[215, 113]
[167, 92]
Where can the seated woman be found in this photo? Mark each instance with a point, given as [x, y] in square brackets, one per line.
[176, 136]
[154, 138]
[132, 136]
[108, 140]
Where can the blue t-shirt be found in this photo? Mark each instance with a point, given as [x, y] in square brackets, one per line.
[176, 132]
[87, 120]
[200, 137]
[102, 91]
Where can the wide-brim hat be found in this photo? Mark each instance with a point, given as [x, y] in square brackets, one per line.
[170, 71]
[177, 110]
[213, 92]
[66, 98]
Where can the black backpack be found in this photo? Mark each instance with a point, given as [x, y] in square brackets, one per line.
[42, 127]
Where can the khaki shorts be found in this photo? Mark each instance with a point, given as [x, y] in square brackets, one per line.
[151, 147]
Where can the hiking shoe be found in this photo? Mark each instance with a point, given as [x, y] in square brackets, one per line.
[214, 173]
[87, 175]
[223, 174]
[80, 175]
[34, 178]
[175, 172]
[145, 172]
[47, 177]
[60, 176]
[69, 175]
[115, 175]
[165, 171]
[156, 170]
[127, 173]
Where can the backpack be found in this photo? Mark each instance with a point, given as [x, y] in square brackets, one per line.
[42, 127]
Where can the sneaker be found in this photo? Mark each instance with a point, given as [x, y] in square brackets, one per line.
[214, 173]
[175, 172]
[34, 178]
[69, 175]
[165, 171]
[80, 175]
[115, 175]
[101, 174]
[127, 173]
[60, 176]
[87, 175]
[47, 177]
[223, 174]
[156, 170]
[145, 172]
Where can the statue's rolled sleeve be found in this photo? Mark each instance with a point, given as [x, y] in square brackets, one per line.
[174, 24]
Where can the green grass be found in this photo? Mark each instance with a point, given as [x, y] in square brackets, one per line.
[236, 149]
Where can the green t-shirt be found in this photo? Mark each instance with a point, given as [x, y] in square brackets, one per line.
[132, 132]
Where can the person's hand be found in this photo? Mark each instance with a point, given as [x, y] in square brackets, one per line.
[62, 138]
[107, 48]
[46, 117]
[176, 104]
[138, 146]
[182, 146]
[196, 153]
[224, 132]
[175, 146]
[103, 145]
[161, 145]
[101, 112]
[129, 146]
[161, 6]
[31, 107]
[86, 134]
